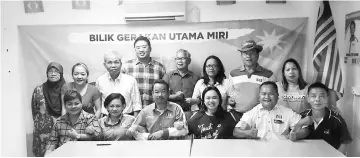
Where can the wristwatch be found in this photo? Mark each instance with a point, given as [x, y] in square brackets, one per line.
[78, 136]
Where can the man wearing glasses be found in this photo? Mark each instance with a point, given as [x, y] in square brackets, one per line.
[246, 80]
[182, 82]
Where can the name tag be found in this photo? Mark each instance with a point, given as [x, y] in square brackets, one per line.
[278, 121]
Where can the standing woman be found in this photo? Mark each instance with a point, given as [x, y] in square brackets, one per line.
[46, 107]
[89, 93]
[293, 88]
[213, 122]
[213, 75]
[115, 125]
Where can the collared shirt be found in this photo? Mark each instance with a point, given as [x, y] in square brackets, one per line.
[60, 131]
[332, 128]
[125, 85]
[246, 86]
[224, 88]
[184, 83]
[271, 124]
[154, 120]
[293, 98]
[145, 75]
[117, 131]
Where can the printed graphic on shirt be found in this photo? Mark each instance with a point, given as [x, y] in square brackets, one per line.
[293, 97]
[210, 131]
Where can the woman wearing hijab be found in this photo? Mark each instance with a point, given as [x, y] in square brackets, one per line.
[46, 107]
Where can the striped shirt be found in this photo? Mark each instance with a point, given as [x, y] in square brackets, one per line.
[145, 75]
[246, 86]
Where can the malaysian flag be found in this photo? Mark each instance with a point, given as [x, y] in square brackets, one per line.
[326, 57]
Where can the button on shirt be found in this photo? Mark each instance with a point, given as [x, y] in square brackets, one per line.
[184, 83]
[125, 85]
[154, 120]
[145, 75]
[271, 124]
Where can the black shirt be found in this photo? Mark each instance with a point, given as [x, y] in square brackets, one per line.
[204, 126]
[332, 129]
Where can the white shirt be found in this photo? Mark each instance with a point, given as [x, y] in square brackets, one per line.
[125, 85]
[270, 124]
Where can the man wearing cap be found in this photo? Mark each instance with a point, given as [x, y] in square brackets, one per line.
[247, 78]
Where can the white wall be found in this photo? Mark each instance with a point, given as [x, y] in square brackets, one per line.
[16, 106]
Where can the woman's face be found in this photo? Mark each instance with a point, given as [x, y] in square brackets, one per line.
[352, 28]
[73, 107]
[115, 107]
[291, 72]
[79, 75]
[212, 67]
[211, 100]
[53, 75]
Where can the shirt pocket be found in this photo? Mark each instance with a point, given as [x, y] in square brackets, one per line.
[280, 127]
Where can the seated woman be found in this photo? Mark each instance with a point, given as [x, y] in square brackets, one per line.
[74, 124]
[213, 122]
[89, 93]
[115, 125]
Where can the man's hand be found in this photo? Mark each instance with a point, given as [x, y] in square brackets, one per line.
[231, 102]
[179, 95]
[188, 100]
[156, 136]
[292, 136]
[253, 133]
[243, 125]
[72, 133]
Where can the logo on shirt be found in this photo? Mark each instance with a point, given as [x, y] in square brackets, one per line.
[278, 117]
[327, 131]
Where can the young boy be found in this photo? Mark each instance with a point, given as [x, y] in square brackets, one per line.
[324, 123]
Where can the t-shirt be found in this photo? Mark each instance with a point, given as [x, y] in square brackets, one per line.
[204, 126]
[293, 98]
[332, 129]
[88, 99]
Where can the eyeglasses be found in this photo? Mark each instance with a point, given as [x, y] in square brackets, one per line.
[212, 66]
[183, 58]
[53, 72]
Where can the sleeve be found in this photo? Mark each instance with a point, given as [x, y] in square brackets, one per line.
[163, 71]
[294, 119]
[53, 141]
[247, 118]
[345, 137]
[34, 103]
[135, 97]
[197, 93]
[166, 78]
[179, 118]
[191, 125]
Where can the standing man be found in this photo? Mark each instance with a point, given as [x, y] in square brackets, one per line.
[144, 69]
[161, 119]
[182, 82]
[115, 82]
[246, 80]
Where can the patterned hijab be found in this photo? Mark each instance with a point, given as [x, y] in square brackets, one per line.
[52, 91]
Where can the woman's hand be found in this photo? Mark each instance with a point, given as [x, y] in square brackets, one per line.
[72, 133]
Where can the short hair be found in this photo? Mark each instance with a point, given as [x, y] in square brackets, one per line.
[318, 85]
[142, 38]
[71, 95]
[301, 81]
[219, 111]
[161, 81]
[221, 73]
[113, 96]
[186, 53]
[271, 83]
[112, 52]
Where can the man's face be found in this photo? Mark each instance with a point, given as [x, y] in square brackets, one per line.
[112, 64]
[142, 49]
[160, 93]
[182, 62]
[250, 58]
[268, 96]
[317, 98]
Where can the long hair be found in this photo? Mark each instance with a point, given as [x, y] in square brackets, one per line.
[220, 76]
[219, 111]
[301, 81]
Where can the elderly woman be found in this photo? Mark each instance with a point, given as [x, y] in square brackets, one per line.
[73, 126]
[89, 93]
[115, 125]
[46, 106]
[212, 122]
[213, 75]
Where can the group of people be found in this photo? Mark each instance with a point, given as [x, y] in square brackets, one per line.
[138, 100]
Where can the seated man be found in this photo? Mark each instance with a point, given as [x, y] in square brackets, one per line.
[161, 119]
[324, 123]
[268, 120]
